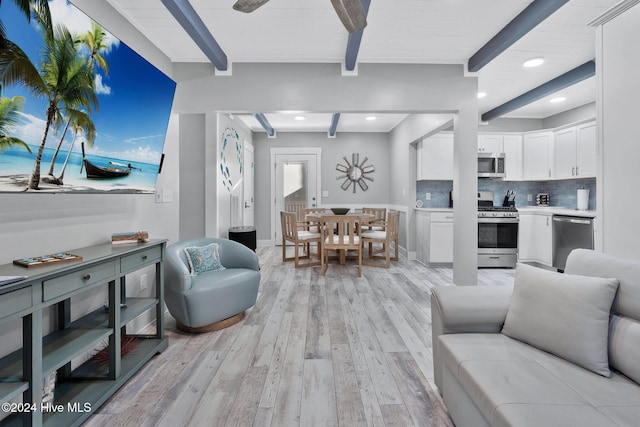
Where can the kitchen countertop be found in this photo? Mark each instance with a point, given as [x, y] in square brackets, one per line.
[557, 210]
[434, 209]
[551, 210]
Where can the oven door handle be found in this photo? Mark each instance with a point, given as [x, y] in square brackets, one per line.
[498, 220]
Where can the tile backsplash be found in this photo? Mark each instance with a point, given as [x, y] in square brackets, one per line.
[561, 193]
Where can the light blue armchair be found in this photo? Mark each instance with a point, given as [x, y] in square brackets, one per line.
[215, 299]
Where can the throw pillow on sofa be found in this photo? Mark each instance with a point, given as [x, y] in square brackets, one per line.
[203, 259]
[563, 314]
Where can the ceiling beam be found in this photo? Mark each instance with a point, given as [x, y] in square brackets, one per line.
[584, 71]
[353, 44]
[334, 125]
[527, 20]
[188, 18]
[265, 124]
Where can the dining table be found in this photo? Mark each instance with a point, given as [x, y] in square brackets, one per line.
[364, 218]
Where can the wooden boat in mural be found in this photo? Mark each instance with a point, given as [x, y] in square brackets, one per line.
[102, 172]
[118, 170]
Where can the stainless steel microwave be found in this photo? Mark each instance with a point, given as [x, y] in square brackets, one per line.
[491, 165]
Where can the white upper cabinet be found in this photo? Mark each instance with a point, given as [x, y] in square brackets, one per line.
[586, 150]
[566, 153]
[537, 154]
[513, 157]
[575, 152]
[488, 143]
[435, 157]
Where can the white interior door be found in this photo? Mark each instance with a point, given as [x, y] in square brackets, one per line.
[295, 186]
[248, 188]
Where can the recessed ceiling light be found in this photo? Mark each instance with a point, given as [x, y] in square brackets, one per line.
[482, 94]
[299, 118]
[533, 62]
[558, 99]
[371, 118]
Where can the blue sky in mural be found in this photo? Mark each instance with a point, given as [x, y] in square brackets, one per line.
[134, 98]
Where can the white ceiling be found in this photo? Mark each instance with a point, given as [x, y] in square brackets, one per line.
[398, 31]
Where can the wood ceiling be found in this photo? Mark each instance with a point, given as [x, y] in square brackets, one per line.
[398, 31]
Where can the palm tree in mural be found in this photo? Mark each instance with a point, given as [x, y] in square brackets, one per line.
[25, 7]
[63, 79]
[95, 42]
[81, 123]
[85, 128]
[9, 116]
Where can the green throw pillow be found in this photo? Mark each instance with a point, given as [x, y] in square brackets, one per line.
[203, 259]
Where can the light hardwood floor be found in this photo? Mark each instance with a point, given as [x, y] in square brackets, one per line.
[337, 350]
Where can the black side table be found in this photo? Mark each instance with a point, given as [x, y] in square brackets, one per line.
[245, 235]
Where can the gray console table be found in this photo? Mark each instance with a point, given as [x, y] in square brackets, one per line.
[78, 392]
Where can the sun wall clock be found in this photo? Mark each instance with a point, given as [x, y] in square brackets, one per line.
[355, 173]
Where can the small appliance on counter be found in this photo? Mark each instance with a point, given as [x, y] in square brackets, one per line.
[542, 199]
[510, 198]
[583, 199]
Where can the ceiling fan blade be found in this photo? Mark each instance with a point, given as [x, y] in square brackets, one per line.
[351, 13]
[248, 6]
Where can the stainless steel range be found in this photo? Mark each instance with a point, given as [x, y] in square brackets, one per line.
[497, 233]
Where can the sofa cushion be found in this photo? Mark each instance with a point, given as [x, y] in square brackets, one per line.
[203, 259]
[514, 384]
[624, 330]
[548, 415]
[564, 314]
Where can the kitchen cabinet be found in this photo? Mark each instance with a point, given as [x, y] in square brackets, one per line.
[434, 240]
[435, 157]
[79, 390]
[565, 153]
[513, 157]
[535, 238]
[586, 150]
[440, 238]
[537, 155]
[575, 152]
[488, 143]
[422, 236]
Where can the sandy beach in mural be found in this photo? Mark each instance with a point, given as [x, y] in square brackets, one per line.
[17, 183]
[16, 165]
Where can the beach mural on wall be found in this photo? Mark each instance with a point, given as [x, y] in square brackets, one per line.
[79, 110]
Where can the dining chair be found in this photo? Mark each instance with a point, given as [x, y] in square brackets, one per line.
[298, 233]
[314, 222]
[386, 237]
[340, 233]
[377, 223]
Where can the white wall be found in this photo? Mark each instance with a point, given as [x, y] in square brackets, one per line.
[375, 146]
[618, 61]
[192, 176]
[584, 112]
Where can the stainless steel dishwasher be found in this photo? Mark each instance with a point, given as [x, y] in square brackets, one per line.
[569, 233]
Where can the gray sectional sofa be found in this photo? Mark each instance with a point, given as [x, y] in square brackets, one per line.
[554, 350]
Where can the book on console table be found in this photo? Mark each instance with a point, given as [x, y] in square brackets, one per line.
[130, 237]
